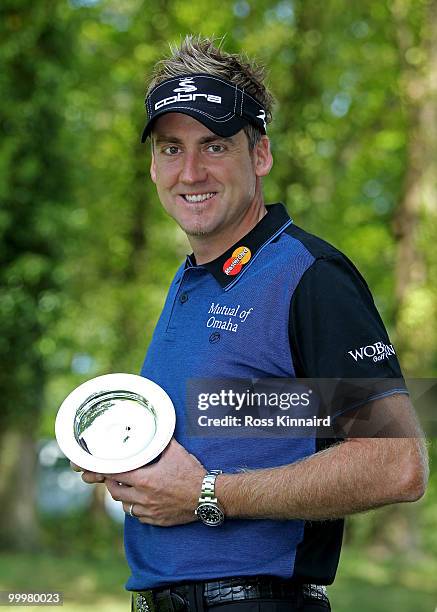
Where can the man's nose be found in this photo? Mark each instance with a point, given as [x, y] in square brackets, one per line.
[193, 170]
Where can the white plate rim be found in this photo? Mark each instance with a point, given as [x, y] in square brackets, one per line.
[160, 400]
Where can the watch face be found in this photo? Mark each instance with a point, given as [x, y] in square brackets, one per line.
[210, 514]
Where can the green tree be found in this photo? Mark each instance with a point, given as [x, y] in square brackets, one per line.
[35, 56]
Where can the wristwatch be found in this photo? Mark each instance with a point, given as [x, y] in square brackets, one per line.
[208, 509]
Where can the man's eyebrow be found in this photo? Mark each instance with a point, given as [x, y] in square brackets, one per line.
[214, 138]
[163, 138]
[167, 138]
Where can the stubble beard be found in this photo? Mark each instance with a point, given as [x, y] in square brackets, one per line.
[196, 232]
[198, 229]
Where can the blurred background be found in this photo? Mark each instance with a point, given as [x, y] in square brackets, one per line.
[87, 253]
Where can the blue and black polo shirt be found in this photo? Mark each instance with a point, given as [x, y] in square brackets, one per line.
[279, 303]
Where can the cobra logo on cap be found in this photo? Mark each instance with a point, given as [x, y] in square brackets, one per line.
[186, 85]
[222, 106]
[234, 264]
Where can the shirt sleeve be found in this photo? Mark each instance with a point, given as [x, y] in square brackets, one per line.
[336, 332]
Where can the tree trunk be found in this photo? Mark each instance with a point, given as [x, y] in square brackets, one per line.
[415, 215]
[19, 522]
[419, 202]
[419, 83]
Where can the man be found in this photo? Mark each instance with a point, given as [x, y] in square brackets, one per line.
[276, 504]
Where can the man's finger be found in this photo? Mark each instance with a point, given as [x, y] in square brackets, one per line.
[135, 510]
[129, 479]
[92, 477]
[120, 492]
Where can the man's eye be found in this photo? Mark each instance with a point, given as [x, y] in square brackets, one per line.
[216, 148]
[171, 150]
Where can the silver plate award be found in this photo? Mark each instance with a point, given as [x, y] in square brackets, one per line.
[115, 423]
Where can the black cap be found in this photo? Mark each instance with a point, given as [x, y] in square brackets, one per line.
[223, 107]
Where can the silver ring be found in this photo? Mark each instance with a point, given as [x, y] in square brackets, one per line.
[130, 511]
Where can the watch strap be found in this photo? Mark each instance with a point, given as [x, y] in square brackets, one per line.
[208, 486]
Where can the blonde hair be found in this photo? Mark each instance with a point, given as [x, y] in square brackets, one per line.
[196, 55]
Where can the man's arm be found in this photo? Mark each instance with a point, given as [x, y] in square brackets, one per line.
[353, 476]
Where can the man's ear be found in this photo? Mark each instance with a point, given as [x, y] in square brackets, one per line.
[263, 156]
[153, 167]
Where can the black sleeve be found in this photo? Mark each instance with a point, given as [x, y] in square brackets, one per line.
[336, 331]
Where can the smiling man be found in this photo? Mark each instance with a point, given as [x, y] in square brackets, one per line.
[252, 523]
[209, 184]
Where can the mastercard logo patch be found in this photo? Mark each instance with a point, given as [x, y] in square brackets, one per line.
[239, 257]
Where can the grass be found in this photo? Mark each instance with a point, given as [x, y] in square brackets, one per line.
[395, 584]
[364, 582]
[86, 584]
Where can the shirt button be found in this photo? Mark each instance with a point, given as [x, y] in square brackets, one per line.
[183, 298]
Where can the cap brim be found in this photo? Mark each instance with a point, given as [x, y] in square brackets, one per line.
[221, 128]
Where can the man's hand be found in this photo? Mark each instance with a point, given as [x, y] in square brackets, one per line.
[88, 477]
[164, 493]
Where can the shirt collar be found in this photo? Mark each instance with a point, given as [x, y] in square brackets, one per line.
[231, 265]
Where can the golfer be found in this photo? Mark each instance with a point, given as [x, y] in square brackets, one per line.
[251, 523]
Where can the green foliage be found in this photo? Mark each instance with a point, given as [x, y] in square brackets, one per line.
[34, 63]
[83, 533]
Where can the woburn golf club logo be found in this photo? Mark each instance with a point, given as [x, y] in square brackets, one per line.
[376, 352]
